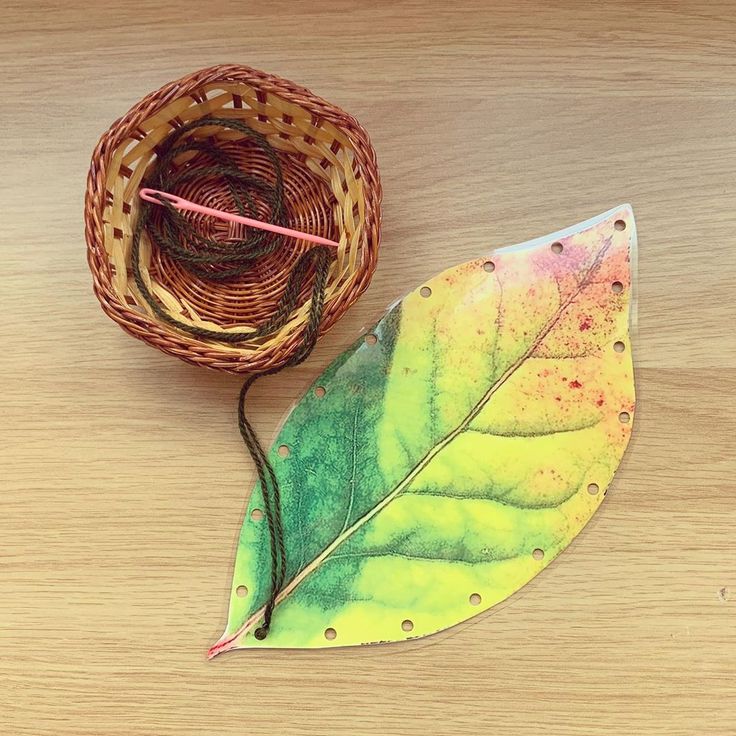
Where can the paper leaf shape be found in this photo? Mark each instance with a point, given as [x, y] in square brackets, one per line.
[447, 457]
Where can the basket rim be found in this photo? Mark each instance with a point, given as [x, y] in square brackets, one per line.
[163, 336]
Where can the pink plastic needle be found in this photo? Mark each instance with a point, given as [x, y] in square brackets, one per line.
[154, 196]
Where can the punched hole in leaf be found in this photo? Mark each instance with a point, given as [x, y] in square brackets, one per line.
[320, 391]
[619, 225]
[425, 291]
[624, 417]
[617, 287]
[593, 488]
[538, 554]
[489, 266]
[407, 624]
[256, 514]
[557, 248]
[371, 339]
[330, 634]
[619, 346]
[475, 599]
[284, 451]
[241, 591]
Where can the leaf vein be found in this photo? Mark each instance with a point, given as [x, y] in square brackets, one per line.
[541, 506]
[534, 433]
[349, 510]
[419, 558]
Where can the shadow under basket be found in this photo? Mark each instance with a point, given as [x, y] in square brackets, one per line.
[331, 188]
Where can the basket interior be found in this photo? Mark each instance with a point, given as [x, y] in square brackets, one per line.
[323, 194]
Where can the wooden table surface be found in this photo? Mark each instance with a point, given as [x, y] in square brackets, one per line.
[123, 476]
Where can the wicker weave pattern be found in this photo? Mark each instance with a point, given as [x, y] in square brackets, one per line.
[332, 188]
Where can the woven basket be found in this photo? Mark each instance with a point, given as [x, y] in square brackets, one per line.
[331, 188]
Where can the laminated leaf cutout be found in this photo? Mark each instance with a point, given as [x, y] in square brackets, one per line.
[445, 459]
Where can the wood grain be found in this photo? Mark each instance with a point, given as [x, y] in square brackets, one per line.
[123, 477]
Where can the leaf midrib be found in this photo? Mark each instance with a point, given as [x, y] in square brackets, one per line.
[429, 455]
